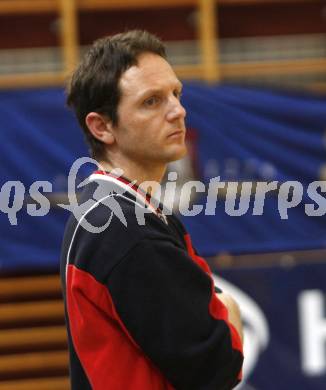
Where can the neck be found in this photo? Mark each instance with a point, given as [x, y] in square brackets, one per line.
[142, 173]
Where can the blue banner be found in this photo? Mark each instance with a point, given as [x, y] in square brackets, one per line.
[41, 142]
[236, 134]
[262, 136]
[283, 310]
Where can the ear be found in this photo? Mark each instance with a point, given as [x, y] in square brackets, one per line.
[100, 128]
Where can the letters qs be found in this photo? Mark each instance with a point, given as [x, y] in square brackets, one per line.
[255, 327]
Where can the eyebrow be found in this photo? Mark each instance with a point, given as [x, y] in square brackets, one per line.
[152, 91]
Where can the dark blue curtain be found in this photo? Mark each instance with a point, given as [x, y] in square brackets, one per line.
[242, 134]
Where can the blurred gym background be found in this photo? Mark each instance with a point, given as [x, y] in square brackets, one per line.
[254, 73]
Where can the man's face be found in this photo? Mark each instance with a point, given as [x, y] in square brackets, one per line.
[151, 128]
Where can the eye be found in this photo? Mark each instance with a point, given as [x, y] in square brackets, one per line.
[152, 101]
[177, 93]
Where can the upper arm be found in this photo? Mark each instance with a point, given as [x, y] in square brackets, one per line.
[164, 299]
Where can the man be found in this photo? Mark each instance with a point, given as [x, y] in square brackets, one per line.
[141, 309]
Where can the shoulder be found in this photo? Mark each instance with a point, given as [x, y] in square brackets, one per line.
[107, 226]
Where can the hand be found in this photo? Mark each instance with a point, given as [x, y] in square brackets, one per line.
[234, 312]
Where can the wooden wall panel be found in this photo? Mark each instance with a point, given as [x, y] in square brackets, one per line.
[26, 31]
[272, 19]
[171, 24]
[40, 30]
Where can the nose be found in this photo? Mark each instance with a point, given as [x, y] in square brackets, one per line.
[176, 110]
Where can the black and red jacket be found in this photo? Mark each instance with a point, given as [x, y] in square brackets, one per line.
[141, 309]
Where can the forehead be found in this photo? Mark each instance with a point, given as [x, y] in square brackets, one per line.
[151, 72]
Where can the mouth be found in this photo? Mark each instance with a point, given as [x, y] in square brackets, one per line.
[176, 133]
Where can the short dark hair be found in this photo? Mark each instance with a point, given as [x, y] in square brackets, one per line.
[94, 85]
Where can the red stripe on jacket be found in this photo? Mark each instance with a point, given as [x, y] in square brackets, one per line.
[109, 355]
[216, 308]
